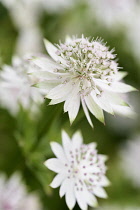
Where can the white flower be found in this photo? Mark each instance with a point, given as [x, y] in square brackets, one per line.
[14, 196]
[86, 72]
[113, 12]
[130, 159]
[81, 171]
[15, 87]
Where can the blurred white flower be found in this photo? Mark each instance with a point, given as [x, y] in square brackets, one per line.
[86, 72]
[16, 86]
[57, 6]
[130, 159]
[81, 171]
[25, 15]
[113, 12]
[29, 41]
[14, 196]
[53, 6]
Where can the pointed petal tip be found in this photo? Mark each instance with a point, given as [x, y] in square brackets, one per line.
[50, 104]
[95, 205]
[71, 121]
[102, 120]
[51, 185]
[79, 133]
[92, 126]
[106, 196]
[106, 157]
[61, 196]
[45, 41]
[109, 183]
[63, 132]
[45, 163]
[134, 89]
[52, 144]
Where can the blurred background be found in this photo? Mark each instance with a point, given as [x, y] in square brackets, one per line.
[24, 139]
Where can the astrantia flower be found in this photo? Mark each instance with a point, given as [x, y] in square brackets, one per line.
[83, 71]
[15, 86]
[81, 171]
[130, 159]
[14, 196]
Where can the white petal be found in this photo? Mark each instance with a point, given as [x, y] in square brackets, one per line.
[115, 86]
[55, 165]
[58, 151]
[80, 197]
[120, 75]
[102, 101]
[77, 140]
[63, 188]
[93, 169]
[58, 179]
[100, 192]
[46, 75]
[94, 108]
[90, 199]
[57, 101]
[104, 181]
[51, 49]
[67, 144]
[86, 112]
[113, 98]
[45, 63]
[60, 91]
[103, 158]
[72, 104]
[47, 85]
[122, 87]
[124, 111]
[70, 195]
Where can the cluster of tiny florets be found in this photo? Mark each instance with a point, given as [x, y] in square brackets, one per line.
[86, 166]
[88, 60]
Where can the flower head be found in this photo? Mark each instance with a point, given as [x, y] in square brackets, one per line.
[81, 171]
[84, 71]
[14, 196]
[16, 86]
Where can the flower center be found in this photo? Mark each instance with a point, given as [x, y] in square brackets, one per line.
[87, 61]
